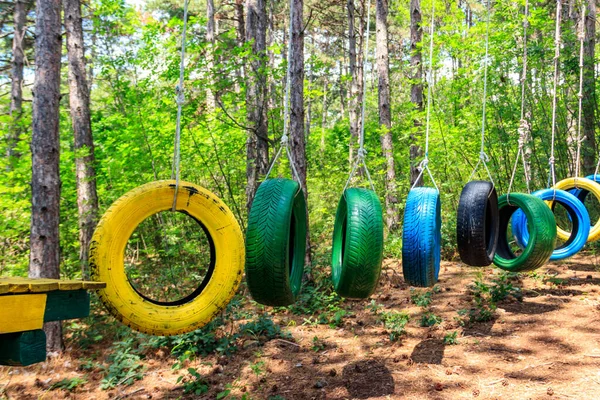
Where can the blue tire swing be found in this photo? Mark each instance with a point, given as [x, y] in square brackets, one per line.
[575, 208]
[477, 223]
[421, 228]
[357, 247]
[539, 248]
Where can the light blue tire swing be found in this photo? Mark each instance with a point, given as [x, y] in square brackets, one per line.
[421, 229]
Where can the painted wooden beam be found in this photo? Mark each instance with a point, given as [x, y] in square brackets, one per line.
[23, 348]
[22, 312]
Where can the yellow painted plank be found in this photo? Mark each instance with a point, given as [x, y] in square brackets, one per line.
[3, 288]
[94, 285]
[42, 285]
[21, 313]
[70, 285]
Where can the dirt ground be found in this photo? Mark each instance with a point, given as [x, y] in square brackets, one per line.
[546, 346]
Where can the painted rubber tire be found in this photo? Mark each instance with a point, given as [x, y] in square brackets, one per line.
[357, 244]
[589, 186]
[542, 239]
[421, 237]
[194, 311]
[276, 242]
[477, 224]
[581, 194]
[577, 212]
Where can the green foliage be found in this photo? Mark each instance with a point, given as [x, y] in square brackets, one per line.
[451, 338]
[124, 366]
[395, 322]
[421, 299]
[318, 344]
[69, 384]
[263, 328]
[194, 382]
[430, 319]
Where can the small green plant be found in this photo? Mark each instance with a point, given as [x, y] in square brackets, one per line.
[263, 328]
[451, 338]
[124, 367]
[193, 383]
[421, 299]
[258, 368]
[317, 344]
[503, 288]
[430, 319]
[69, 384]
[374, 307]
[395, 322]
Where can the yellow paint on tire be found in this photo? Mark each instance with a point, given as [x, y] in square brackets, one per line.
[590, 186]
[118, 224]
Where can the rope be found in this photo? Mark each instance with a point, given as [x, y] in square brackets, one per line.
[285, 140]
[180, 98]
[424, 164]
[362, 153]
[483, 157]
[551, 161]
[581, 37]
[524, 126]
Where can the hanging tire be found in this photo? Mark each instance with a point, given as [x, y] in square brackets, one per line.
[542, 238]
[477, 224]
[582, 194]
[421, 237]
[134, 309]
[276, 242]
[585, 185]
[357, 244]
[578, 215]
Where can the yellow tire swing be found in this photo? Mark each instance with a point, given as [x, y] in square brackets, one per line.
[277, 223]
[357, 249]
[119, 222]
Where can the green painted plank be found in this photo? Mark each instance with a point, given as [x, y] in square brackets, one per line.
[23, 348]
[62, 305]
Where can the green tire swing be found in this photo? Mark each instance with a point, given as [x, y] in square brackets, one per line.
[542, 226]
[276, 232]
[357, 249]
[477, 214]
[421, 228]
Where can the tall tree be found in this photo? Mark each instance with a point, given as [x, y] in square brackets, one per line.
[79, 100]
[210, 39]
[385, 115]
[416, 89]
[356, 71]
[257, 144]
[589, 104]
[16, 88]
[44, 261]
[296, 88]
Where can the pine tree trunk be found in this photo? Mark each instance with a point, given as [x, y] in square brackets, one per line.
[589, 91]
[353, 102]
[297, 141]
[385, 115]
[416, 90]
[44, 261]
[256, 97]
[16, 89]
[79, 100]
[210, 38]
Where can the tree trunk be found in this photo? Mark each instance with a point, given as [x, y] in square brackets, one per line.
[323, 117]
[44, 261]
[79, 100]
[416, 90]
[16, 91]
[589, 91]
[385, 115]
[297, 141]
[353, 114]
[210, 38]
[256, 97]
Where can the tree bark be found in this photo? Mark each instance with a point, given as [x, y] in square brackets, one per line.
[79, 100]
[297, 140]
[589, 91]
[256, 97]
[210, 38]
[416, 90]
[385, 115]
[44, 261]
[353, 92]
[16, 89]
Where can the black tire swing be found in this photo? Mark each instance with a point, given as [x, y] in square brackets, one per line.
[477, 215]
[421, 228]
[357, 250]
[542, 238]
[276, 232]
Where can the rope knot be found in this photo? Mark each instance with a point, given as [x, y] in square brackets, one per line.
[180, 95]
[551, 161]
[285, 139]
[423, 164]
[484, 157]
[362, 153]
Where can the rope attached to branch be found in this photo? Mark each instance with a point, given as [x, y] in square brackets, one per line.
[424, 165]
[551, 161]
[180, 98]
[362, 153]
[581, 37]
[483, 157]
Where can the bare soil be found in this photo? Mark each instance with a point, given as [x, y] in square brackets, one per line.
[546, 346]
